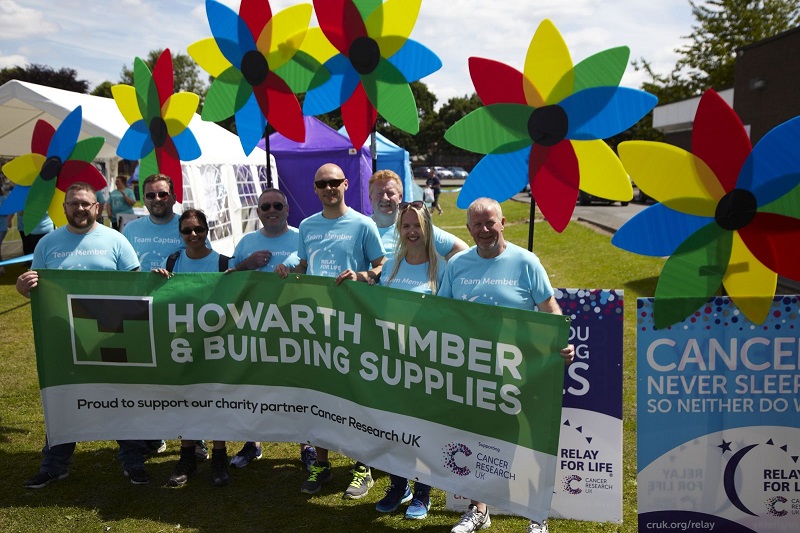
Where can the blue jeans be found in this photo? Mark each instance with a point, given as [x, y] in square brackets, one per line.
[56, 458]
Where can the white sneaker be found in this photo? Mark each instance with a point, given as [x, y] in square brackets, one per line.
[472, 520]
[536, 527]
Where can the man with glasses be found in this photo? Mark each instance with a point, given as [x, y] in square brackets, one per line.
[82, 244]
[340, 243]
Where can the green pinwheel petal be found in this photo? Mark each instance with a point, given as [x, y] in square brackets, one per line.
[496, 128]
[692, 274]
[148, 165]
[303, 73]
[87, 149]
[787, 205]
[146, 92]
[603, 69]
[227, 94]
[389, 92]
[39, 198]
[366, 7]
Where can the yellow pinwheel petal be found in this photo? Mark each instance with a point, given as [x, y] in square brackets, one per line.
[178, 111]
[284, 34]
[56, 208]
[208, 55]
[125, 97]
[750, 284]
[602, 173]
[317, 45]
[23, 170]
[548, 66]
[396, 18]
[673, 176]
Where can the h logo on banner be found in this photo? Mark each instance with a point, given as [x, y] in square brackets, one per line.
[112, 330]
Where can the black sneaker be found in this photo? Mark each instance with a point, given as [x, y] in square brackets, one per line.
[42, 479]
[137, 475]
[320, 474]
[186, 467]
[219, 468]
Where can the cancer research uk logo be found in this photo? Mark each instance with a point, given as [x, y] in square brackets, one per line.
[450, 451]
[112, 330]
[488, 461]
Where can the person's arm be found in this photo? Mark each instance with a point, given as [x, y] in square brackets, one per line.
[130, 200]
[283, 271]
[551, 306]
[458, 246]
[255, 261]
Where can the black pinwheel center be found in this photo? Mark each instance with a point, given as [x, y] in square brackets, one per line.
[548, 125]
[736, 209]
[364, 55]
[255, 68]
[51, 168]
[158, 131]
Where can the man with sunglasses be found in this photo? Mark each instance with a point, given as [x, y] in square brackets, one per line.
[341, 243]
[82, 244]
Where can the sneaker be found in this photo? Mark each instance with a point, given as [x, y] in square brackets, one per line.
[361, 483]
[249, 452]
[419, 507]
[219, 468]
[472, 520]
[320, 474]
[137, 475]
[201, 450]
[186, 467]
[42, 479]
[155, 447]
[308, 456]
[536, 527]
[394, 497]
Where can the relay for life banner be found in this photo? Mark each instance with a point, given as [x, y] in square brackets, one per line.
[718, 420]
[457, 395]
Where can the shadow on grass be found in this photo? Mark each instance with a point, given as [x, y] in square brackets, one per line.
[645, 287]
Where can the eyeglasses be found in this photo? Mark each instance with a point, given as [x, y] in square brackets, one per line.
[321, 184]
[199, 230]
[417, 204]
[82, 205]
[152, 195]
[277, 206]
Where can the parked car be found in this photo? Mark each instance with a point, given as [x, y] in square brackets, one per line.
[459, 173]
[585, 198]
[421, 172]
[443, 173]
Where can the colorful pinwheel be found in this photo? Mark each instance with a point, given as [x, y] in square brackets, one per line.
[728, 214]
[58, 160]
[545, 126]
[371, 63]
[159, 133]
[246, 57]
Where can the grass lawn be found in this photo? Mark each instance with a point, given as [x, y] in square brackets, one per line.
[265, 496]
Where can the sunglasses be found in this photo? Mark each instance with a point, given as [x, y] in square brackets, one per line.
[152, 195]
[321, 184]
[198, 230]
[82, 205]
[418, 204]
[277, 206]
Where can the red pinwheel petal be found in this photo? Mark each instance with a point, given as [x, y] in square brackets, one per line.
[554, 179]
[256, 14]
[773, 240]
[42, 135]
[74, 171]
[719, 139]
[496, 83]
[359, 116]
[163, 77]
[285, 113]
[341, 22]
[169, 163]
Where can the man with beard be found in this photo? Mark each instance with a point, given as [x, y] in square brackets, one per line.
[82, 244]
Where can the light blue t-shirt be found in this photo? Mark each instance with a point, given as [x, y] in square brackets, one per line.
[411, 277]
[184, 263]
[442, 240]
[100, 249]
[515, 278]
[44, 226]
[332, 246]
[118, 204]
[283, 249]
[3, 218]
[153, 242]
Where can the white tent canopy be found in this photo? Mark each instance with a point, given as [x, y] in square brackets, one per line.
[223, 182]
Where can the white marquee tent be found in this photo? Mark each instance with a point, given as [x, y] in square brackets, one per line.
[223, 182]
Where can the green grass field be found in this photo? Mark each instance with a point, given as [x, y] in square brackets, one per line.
[265, 496]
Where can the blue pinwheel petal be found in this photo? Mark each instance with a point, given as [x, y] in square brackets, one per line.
[230, 31]
[15, 201]
[187, 146]
[63, 142]
[771, 169]
[602, 112]
[250, 124]
[136, 143]
[498, 176]
[415, 61]
[657, 231]
[333, 93]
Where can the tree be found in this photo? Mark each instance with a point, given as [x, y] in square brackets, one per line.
[187, 73]
[104, 90]
[64, 78]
